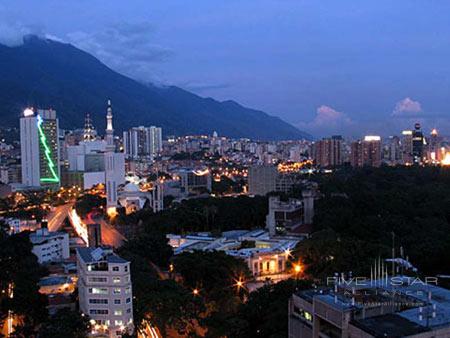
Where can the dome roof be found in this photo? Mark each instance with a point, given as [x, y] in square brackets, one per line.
[131, 187]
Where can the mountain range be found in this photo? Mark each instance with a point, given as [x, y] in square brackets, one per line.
[43, 73]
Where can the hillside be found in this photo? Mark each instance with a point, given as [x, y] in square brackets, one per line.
[46, 73]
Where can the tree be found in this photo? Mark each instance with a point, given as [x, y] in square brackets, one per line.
[20, 273]
[265, 312]
[66, 323]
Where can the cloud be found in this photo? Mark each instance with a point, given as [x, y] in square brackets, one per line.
[12, 33]
[328, 121]
[125, 47]
[407, 108]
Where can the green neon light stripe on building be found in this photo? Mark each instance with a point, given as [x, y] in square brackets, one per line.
[47, 152]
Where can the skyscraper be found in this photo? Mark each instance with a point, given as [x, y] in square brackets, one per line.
[366, 152]
[407, 151]
[40, 148]
[142, 142]
[418, 142]
[328, 151]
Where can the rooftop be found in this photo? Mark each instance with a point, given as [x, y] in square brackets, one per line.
[95, 255]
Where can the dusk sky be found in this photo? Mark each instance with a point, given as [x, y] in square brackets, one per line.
[327, 67]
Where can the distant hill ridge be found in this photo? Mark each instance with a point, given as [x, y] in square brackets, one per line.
[45, 73]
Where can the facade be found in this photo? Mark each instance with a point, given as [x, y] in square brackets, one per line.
[379, 309]
[40, 148]
[142, 142]
[328, 151]
[287, 216]
[262, 179]
[105, 294]
[132, 198]
[407, 147]
[418, 143]
[366, 152]
[50, 246]
[194, 180]
[266, 256]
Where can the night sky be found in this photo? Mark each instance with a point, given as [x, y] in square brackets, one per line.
[326, 66]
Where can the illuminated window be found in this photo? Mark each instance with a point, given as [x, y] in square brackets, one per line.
[117, 312]
[116, 279]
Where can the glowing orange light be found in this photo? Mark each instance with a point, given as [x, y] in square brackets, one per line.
[446, 160]
[112, 212]
[195, 292]
[297, 268]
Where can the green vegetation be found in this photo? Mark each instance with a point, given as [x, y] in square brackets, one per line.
[65, 323]
[205, 214]
[89, 202]
[20, 273]
[362, 208]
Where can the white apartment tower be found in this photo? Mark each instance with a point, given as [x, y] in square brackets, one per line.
[40, 148]
[142, 142]
[114, 163]
[105, 294]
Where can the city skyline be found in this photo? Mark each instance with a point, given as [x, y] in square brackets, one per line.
[302, 61]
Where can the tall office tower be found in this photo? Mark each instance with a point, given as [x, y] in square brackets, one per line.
[40, 148]
[155, 140]
[89, 130]
[407, 151]
[356, 154]
[328, 151]
[434, 147]
[104, 291]
[372, 151]
[114, 164]
[366, 152]
[142, 142]
[418, 142]
[394, 151]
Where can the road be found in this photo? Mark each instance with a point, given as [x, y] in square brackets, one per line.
[110, 235]
[57, 216]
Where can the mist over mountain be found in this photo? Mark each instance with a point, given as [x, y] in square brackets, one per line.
[48, 74]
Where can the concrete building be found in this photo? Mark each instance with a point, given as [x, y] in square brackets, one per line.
[142, 141]
[418, 144]
[388, 307]
[262, 179]
[366, 152]
[193, 181]
[287, 216]
[104, 288]
[266, 256]
[49, 246]
[328, 151]
[132, 198]
[407, 147]
[40, 148]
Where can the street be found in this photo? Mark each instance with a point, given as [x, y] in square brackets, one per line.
[57, 216]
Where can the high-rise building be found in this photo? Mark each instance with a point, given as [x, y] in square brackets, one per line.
[40, 148]
[394, 152]
[434, 147]
[407, 147]
[262, 179]
[142, 142]
[366, 152]
[328, 151]
[114, 163]
[105, 294]
[418, 142]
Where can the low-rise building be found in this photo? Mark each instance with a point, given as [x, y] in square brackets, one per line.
[391, 307]
[265, 256]
[104, 288]
[50, 246]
